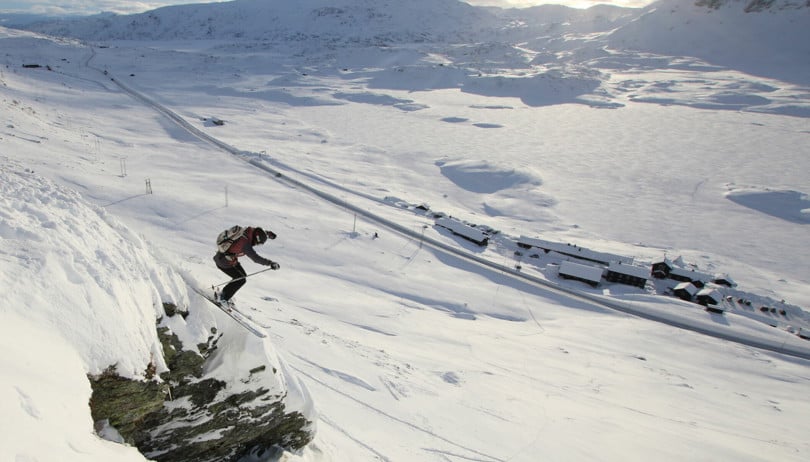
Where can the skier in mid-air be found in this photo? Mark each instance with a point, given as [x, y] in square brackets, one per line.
[232, 244]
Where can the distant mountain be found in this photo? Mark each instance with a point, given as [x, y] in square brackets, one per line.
[363, 21]
[20, 20]
[763, 37]
[751, 6]
[559, 14]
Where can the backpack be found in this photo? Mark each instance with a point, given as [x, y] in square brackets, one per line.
[226, 238]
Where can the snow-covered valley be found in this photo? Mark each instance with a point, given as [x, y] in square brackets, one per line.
[407, 351]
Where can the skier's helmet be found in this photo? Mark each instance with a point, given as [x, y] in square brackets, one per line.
[259, 236]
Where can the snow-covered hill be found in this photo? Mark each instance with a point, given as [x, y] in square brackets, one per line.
[732, 32]
[411, 342]
[344, 21]
[770, 39]
[764, 39]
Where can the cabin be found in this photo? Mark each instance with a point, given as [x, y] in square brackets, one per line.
[689, 275]
[666, 269]
[588, 274]
[708, 296]
[660, 270]
[624, 273]
[724, 280]
[466, 231]
[711, 299]
[572, 250]
[685, 291]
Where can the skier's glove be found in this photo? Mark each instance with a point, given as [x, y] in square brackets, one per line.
[274, 265]
[270, 235]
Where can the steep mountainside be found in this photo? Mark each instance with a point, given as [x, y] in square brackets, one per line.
[750, 6]
[771, 37]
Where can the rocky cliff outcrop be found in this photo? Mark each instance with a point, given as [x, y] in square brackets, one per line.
[187, 415]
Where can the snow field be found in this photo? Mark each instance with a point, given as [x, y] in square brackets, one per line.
[405, 352]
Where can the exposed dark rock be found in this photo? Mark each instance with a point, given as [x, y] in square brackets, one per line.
[171, 309]
[186, 417]
[125, 403]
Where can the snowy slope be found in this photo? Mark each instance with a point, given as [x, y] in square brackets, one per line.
[410, 352]
[772, 41]
[62, 242]
[82, 294]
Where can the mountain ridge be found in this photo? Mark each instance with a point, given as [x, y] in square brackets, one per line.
[354, 20]
[386, 21]
[767, 38]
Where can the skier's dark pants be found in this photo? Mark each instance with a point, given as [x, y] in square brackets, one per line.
[234, 272]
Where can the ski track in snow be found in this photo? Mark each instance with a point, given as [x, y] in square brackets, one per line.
[359, 442]
[393, 388]
[393, 418]
[27, 404]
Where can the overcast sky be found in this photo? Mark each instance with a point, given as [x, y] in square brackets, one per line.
[57, 7]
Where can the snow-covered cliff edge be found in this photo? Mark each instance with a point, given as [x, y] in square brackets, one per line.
[88, 299]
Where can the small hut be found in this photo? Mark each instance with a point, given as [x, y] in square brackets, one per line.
[711, 299]
[627, 274]
[468, 232]
[685, 291]
[724, 280]
[588, 274]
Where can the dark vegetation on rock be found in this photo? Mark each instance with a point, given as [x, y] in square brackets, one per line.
[183, 416]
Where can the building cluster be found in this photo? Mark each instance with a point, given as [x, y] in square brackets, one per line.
[693, 286]
[591, 267]
[716, 292]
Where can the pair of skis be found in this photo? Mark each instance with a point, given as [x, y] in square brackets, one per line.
[241, 319]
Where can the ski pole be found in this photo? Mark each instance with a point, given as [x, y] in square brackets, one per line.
[243, 277]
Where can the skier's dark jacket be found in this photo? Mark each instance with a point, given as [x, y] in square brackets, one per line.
[241, 247]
